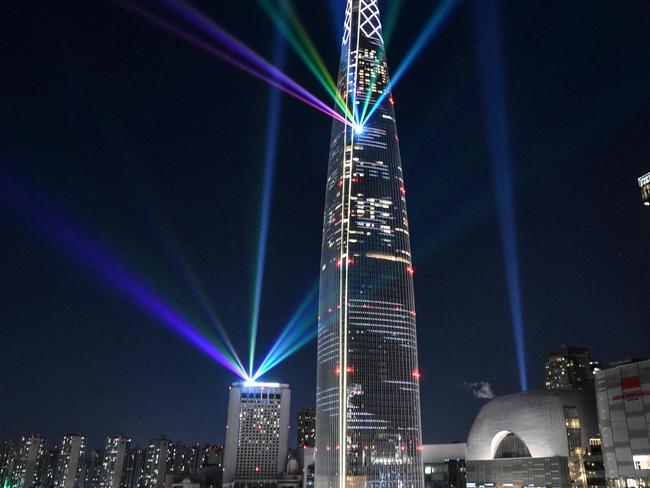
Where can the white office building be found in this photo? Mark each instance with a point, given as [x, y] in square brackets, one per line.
[255, 453]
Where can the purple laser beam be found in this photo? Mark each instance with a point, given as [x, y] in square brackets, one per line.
[283, 82]
[78, 245]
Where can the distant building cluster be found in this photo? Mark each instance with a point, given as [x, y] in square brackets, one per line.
[589, 428]
[119, 464]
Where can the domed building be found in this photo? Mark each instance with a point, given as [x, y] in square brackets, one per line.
[531, 439]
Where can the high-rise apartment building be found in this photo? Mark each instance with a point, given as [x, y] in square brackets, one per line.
[93, 472]
[644, 184]
[368, 406]
[306, 428]
[185, 458]
[570, 368]
[623, 400]
[136, 459]
[115, 463]
[93, 475]
[7, 460]
[256, 434]
[155, 466]
[47, 470]
[29, 462]
[444, 465]
[212, 455]
[70, 460]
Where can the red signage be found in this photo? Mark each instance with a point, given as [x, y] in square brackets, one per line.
[631, 383]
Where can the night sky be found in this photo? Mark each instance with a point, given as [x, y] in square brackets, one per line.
[152, 146]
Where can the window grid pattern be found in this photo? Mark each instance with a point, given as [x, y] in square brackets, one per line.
[259, 435]
[368, 407]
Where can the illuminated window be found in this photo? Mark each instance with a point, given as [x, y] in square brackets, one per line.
[641, 461]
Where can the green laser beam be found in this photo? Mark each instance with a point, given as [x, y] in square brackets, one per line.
[299, 40]
[291, 330]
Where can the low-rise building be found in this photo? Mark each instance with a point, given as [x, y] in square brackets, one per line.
[623, 399]
[530, 439]
[444, 465]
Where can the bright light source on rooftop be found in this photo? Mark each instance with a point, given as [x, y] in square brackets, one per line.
[250, 383]
[358, 128]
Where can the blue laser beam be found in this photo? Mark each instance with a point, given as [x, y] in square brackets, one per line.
[296, 332]
[273, 127]
[435, 22]
[56, 228]
[492, 82]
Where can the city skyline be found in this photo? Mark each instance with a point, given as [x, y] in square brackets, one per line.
[124, 132]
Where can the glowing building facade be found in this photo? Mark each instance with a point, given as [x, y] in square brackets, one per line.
[257, 435]
[368, 406]
[114, 473]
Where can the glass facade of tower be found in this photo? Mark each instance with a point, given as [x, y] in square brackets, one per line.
[368, 408]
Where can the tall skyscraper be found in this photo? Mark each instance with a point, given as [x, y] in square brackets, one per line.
[257, 434]
[644, 184]
[29, 462]
[368, 405]
[306, 428]
[570, 368]
[115, 463]
[70, 459]
[155, 466]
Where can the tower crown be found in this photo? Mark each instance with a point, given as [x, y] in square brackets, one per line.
[362, 18]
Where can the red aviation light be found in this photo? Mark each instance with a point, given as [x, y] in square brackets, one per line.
[349, 369]
[327, 448]
[337, 371]
[402, 189]
[257, 469]
[416, 374]
[412, 312]
[410, 270]
[390, 100]
[350, 260]
[420, 447]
